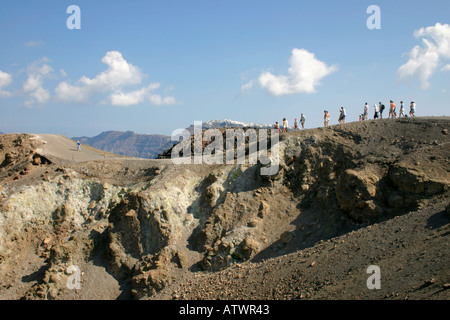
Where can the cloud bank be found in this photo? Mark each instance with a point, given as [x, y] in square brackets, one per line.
[425, 59]
[112, 83]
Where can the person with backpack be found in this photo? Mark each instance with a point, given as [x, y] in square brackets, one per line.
[382, 107]
[342, 115]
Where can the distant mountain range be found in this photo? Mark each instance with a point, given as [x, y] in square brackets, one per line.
[149, 146]
[129, 143]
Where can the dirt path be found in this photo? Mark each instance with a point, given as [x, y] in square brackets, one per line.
[66, 149]
[62, 148]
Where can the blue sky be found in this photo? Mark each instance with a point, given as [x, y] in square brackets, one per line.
[155, 66]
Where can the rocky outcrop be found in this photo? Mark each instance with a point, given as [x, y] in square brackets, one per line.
[141, 242]
[356, 193]
[414, 180]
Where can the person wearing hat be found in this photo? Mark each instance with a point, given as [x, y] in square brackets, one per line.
[412, 109]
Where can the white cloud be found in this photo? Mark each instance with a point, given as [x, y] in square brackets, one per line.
[446, 68]
[247, 87]
[33, 86]
[424, 60]
[158, 100]
[118, 75]
[139, 96]
[68, 93]
[5, 80]
[303, 76]
[111, 83]
[130, 98]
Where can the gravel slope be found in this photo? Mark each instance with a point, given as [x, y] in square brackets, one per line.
[412, 252]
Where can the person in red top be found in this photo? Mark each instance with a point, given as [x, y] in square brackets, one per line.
[392, 110]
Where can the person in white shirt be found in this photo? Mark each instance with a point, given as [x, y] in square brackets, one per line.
[302, 120]
[376, 114]
[412, 110]
[366, 111]
[402, 110]
[285, 125]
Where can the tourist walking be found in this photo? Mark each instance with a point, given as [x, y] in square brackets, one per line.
[412, 109]
[402, 110]
[382, 107]
[302, 120]
[392, 113]
[376, 114]
[342, 115]
[326, 118]
[285, 125]
[366, 112]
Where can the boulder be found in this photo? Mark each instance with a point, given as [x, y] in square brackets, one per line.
[356, 191]
[249, 247]
[416, 181]
[36, 161]
[286, 237]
